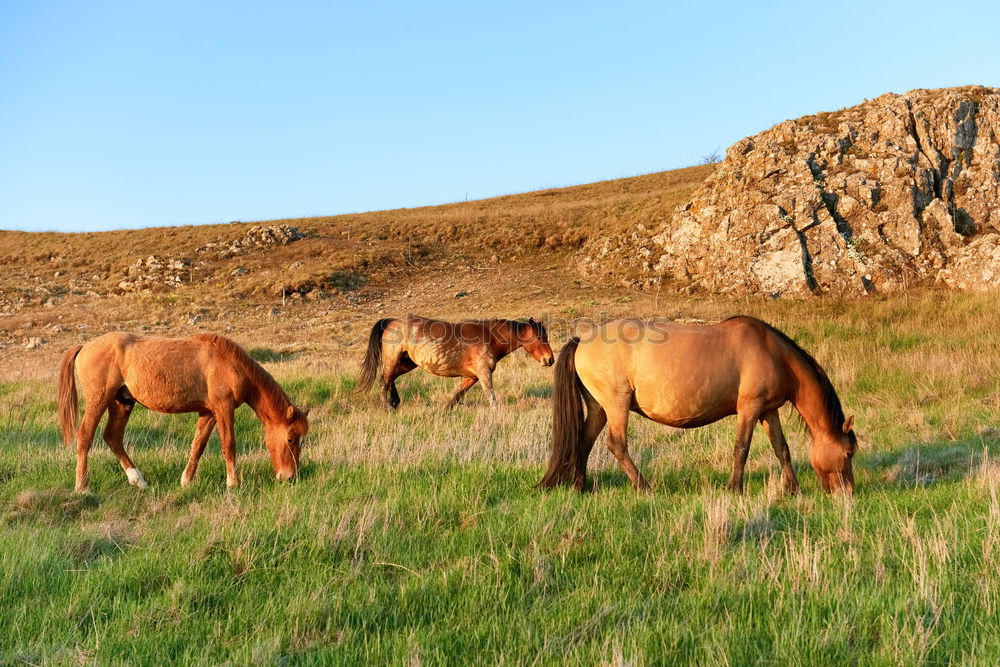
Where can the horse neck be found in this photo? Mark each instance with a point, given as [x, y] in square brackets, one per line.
[265, 397]
[809, 399]
[505, 339]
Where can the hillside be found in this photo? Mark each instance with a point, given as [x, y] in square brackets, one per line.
[897, 192]
[290, 280]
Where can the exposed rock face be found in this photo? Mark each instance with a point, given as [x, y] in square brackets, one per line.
[900, 190]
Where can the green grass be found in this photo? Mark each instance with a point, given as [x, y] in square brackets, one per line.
[419, 538]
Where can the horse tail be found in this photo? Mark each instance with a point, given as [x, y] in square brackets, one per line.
[567, 420]
[67, 400]
[372, 363]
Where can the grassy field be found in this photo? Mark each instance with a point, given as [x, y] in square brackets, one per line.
[417, 537]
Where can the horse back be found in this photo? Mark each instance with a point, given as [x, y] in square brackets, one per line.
[681, 374]
[163, 374]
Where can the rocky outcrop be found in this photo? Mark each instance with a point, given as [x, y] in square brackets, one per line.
[897, 191]
[155, 272]
[258, 237]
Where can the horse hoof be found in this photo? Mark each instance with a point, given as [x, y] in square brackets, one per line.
[135, 478]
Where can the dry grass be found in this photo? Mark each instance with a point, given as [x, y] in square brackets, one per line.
[418, 535]
[376, 246]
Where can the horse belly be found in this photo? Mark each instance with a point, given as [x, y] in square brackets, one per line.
[439, 359]
[686, 400]
[167, 388]
[683, 415]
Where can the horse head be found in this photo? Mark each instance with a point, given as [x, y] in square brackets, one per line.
[831, 456]
[534, 338]
[283, 438]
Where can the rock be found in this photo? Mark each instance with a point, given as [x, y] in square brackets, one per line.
[193, 318]
[258, 237]
[34, 343]
[897, 191]
[155, 272]
[461, 295]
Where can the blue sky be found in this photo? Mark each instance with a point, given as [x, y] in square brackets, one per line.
[133, 114]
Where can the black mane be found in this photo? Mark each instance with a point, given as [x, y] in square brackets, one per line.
[830, 399]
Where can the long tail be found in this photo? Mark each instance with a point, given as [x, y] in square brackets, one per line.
[372, 364]
[567, 420]
[67, 400]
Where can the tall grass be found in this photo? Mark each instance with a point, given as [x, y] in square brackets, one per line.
[418, 537]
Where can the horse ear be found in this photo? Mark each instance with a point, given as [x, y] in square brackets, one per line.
[290, 413]
[305, 413]
[531, 321]
[848, 424]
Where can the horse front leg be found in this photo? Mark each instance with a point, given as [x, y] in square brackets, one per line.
[772, 427]
[114, 435]
[227, 434]
[745, 421]
[202, 432]
[463, 387]
[485, 377]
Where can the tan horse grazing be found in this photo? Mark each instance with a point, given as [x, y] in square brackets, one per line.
[688, 376]
[469, 350]
[207, 374]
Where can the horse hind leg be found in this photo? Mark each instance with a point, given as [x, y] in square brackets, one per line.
[119, 411]
[772, 427]
[617, 420]
[96, 406]
[400, 367]
[592, 427]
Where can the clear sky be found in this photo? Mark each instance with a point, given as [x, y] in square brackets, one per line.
[132, 114]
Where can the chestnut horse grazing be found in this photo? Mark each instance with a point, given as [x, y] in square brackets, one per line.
[687, 376]
[207, 374]
[469, 350]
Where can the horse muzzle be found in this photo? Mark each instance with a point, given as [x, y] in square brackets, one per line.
[547, 361]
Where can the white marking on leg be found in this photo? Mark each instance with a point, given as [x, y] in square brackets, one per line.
[135, 478]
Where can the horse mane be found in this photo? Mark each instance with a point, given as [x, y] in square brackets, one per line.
[540, 331]
[831, 401]
[263, 381]
[514, 325]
